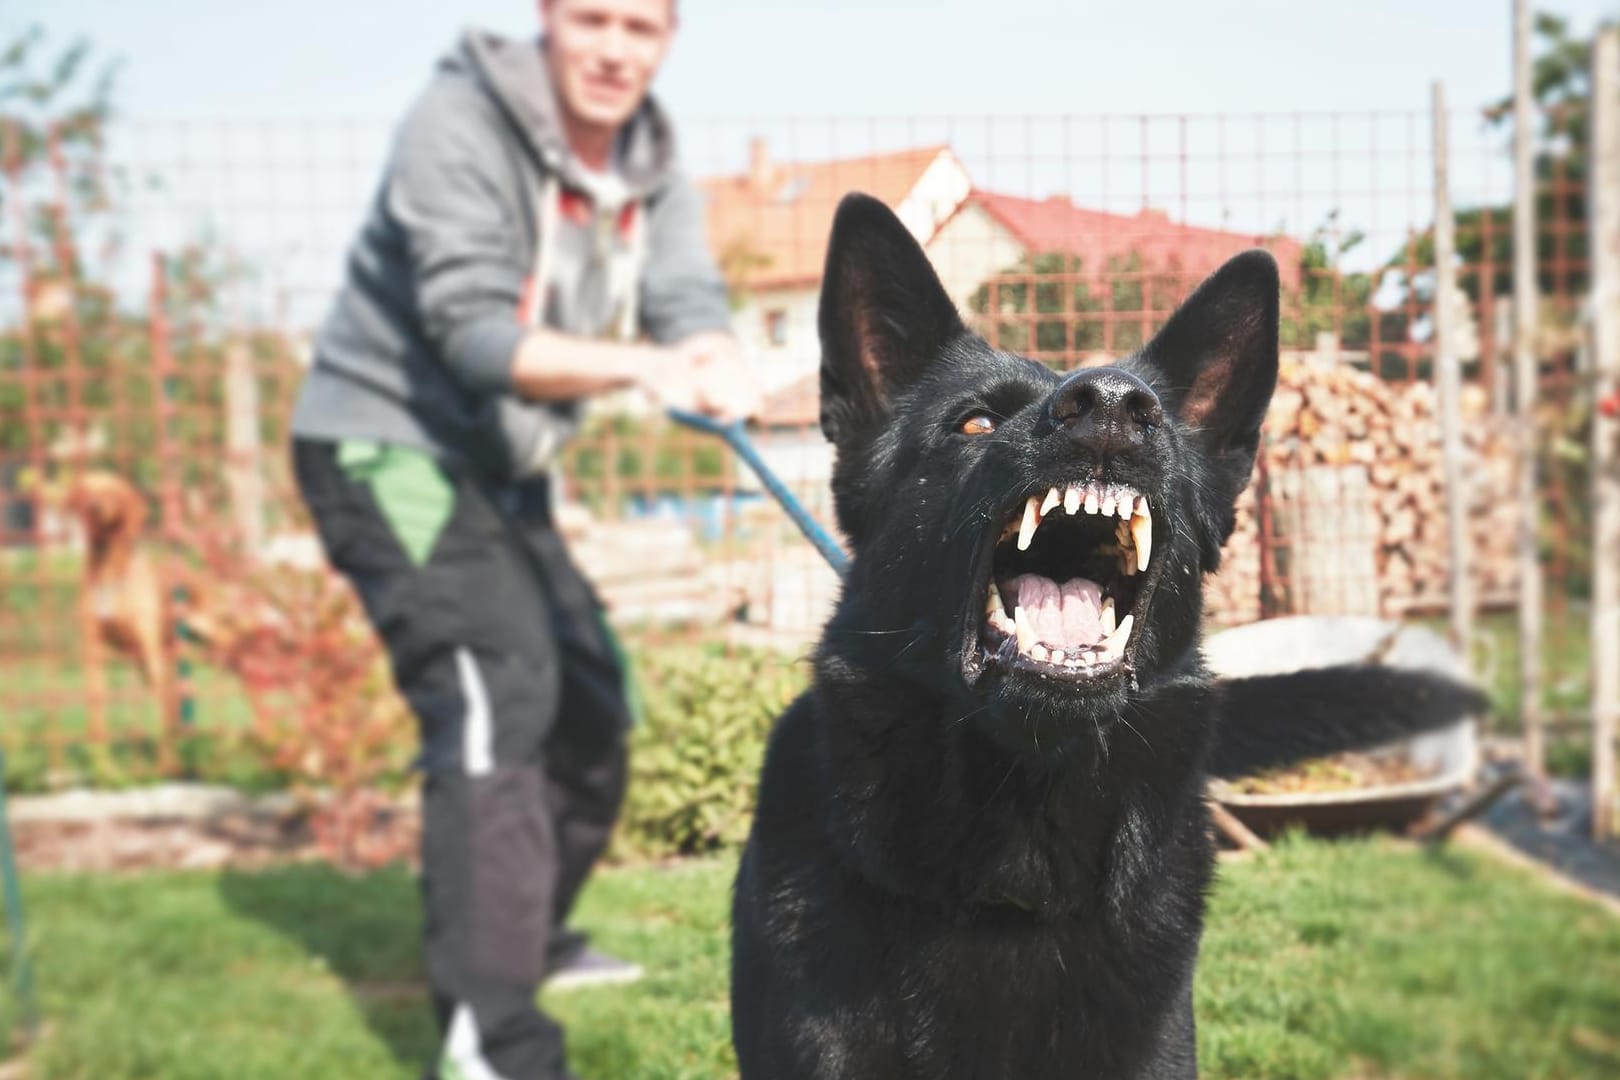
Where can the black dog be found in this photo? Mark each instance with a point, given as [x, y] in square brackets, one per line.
[982, 847]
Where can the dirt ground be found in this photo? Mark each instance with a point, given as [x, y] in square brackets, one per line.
[243, 836]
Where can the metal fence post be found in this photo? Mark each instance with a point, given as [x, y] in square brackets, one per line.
[1604, 219]
[1448, 379]
[1525, 371]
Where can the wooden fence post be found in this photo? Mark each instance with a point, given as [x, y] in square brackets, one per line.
[1525, 372]
[1603, 212]
[1448, 380]
[244, 454]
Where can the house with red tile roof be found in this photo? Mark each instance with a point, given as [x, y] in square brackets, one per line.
[768, 227]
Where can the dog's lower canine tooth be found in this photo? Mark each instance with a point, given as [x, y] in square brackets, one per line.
[1052, 499]
[992, 602]
[1114, 645]
[1071, 499]
[1108, 616]
[1142, 533]
[1032, 520]
[1025, 632]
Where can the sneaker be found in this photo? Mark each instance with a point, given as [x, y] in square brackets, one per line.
[588, 967]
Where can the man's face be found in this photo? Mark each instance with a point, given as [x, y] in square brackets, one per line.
[604, 53]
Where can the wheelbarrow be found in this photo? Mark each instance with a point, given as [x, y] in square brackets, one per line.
[1446, 759]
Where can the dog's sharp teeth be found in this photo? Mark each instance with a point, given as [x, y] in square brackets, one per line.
[1127, 501]
[1071, 499]
[1058, 656]
[1024, 631]
[1032, 521]
[992, 602]
[1108, 502]
[1142, 532]
[1052, 499]
[1038, 652]
[1114, 644]
[1092, 503]
[1108, 616]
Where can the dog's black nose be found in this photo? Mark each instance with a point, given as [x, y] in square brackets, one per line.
[1106, 410]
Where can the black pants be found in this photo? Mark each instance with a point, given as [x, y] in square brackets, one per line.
[498, 644]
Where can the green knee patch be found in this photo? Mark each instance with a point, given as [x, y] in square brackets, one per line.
[415, 496]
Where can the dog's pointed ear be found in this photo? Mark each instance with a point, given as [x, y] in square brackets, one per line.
[1216, 360]
[884, 317]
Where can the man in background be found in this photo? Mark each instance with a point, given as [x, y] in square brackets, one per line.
[532, 244]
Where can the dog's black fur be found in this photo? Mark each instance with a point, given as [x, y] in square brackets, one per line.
[961, 867]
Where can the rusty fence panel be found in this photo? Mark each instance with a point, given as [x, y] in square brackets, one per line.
[155, 336]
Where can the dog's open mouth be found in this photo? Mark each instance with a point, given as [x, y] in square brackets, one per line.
[1065, 582]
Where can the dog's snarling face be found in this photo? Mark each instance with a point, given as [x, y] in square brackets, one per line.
[1036, 540]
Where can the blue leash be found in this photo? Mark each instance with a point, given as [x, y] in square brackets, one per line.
[737, 438]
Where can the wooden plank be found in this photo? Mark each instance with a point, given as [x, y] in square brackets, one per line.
[1332, 537]
[244, 452]
[1604, 221]
[1234, 830]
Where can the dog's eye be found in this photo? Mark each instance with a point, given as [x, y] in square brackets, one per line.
[978, 424]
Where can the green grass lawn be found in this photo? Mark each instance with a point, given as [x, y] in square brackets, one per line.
[1358, 959]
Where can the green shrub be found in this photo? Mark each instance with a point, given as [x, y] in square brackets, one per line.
[695, 757]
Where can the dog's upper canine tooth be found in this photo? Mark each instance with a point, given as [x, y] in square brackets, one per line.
[1142, 533]
[1032, 521]
[1051, 500]
[1071, 499]
[1091, 499]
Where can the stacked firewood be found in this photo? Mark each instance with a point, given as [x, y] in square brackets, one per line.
[1377, 443]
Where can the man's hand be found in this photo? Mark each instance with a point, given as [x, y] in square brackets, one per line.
[706, 373]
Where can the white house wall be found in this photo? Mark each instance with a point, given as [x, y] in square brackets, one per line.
[779, 365]
[970, 249]
[935, 197]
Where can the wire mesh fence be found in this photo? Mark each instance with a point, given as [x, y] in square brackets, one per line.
[161, 286]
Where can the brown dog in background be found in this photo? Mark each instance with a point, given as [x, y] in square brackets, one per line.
[123, 604]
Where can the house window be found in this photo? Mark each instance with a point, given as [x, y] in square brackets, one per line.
[776, 326]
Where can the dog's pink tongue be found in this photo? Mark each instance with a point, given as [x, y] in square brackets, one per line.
[1067, 614]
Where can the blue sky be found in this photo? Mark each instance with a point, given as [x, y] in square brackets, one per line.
[987, 77]
[845, 57]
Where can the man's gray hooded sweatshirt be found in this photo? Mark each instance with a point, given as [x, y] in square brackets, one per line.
[468, 237]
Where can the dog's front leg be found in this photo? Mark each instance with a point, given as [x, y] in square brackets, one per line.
[1175, 1052]
[93, 661]
[815, 1044]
